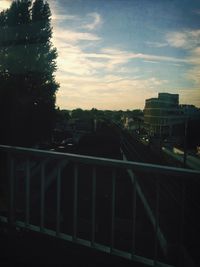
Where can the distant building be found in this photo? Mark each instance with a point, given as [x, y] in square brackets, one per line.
[133, 122]
[190, 111]
[162, 114]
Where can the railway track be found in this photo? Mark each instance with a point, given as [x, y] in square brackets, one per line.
[178, 199]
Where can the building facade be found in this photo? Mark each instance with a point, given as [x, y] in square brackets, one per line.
[190, 111]
[162, 114]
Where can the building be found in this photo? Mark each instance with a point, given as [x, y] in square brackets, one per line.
[190, 111]
[162, 114]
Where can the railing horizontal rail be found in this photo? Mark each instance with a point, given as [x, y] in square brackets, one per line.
[136, 166]
[73, 176]
[86, 243]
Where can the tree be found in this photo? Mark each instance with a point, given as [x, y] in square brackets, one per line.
[78, 113]
[27, 66]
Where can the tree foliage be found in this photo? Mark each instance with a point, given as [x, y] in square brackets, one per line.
[27, 66]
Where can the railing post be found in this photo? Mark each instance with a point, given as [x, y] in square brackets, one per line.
[156, 222]
[154, 215]
[27, 184]
[93, 203]
[134, 195]
[182, 221]
[11, 174]
[113, 209]
[58, 201]
[42, 197]
[75, 201]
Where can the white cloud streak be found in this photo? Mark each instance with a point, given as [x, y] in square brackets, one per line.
[97, 21]
[63, 17]
[62, 36]
[117, 57]
[156, 44]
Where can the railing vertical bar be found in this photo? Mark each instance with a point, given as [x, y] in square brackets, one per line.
[42, 197]
[58, 201]
[93, 203]
[11, 166]
[113, 209]
[182, 221]
[75, 201]
[156, 222]
[134, 213]
[27, 192]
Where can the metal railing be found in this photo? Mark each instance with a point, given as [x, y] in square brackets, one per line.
[35, 173]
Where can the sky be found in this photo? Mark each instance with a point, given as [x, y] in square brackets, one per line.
[114, 54]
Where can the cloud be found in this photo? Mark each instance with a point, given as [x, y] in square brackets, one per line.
[70, 55]
[91, 79]
[97, 21]
[177, 39]
[116, 57]
[187, 39]
[74, 60]
[190, 96]
[69, 36]
[156, 44]
[194, 75]
[63, 17]
[97, 91]
[4, 4]
[158, 58]
[194, 72]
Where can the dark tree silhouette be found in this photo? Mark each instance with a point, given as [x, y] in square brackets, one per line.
[27, 66]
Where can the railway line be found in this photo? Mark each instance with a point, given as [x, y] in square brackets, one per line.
[172, 202]
[178, 198]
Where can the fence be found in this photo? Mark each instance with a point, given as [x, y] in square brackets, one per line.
[119, 207]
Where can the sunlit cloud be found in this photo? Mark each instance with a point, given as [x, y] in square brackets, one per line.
[97, 91]
[69, 36]
[91, 79]
[190, 96]
[63, 17]
[92, 72]
[4, 4]
[72, 59]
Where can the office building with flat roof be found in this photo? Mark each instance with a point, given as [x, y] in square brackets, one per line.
[161, 114]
